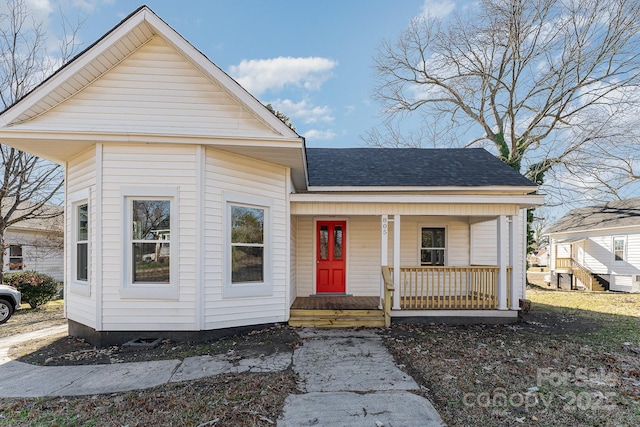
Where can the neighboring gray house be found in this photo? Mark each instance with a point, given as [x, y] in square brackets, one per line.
[191, 208]
[598, 247]
[37, 245]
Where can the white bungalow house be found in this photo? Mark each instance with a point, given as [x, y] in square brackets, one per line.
[207, 213]
[598, 247]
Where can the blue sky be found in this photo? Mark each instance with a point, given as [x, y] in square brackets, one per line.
[312, 60]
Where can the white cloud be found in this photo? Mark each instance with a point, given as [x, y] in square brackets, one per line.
[437, 8]
[260, 75]
[303, 111]
[316, 134]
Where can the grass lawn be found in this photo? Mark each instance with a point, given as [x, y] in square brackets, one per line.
[573, 361]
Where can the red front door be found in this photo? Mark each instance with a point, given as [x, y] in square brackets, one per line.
[331, 256]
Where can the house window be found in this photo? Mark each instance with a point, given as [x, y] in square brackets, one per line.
[247, 244]
[432, 247]
[249, 253]
[150, 241]
[15, 258]
[82, 242]
[619, 248]
[150, 236]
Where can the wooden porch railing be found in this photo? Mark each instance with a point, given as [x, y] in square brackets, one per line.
[457, 288]
[564, 263]
[582, 274]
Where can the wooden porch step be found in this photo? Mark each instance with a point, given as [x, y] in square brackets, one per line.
[336, 318]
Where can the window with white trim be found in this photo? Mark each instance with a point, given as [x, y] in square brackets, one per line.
[16, 262]
[619, 248]
[248, 251]
[81, 242]
[150, 270]
[247, 244]
[432, 246]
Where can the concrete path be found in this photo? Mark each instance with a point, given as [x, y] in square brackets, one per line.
[348, 378]
[24, 380]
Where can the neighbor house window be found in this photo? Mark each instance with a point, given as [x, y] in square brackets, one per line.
[248, 254]
[619, 248]
[82, 242]
[151, 241]
[432, 247]
[15, 258]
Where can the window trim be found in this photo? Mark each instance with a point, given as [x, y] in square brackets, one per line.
[624, 249]
[446, 244]
[247, 289]
[79, 287]
[15, 245]
[149, 290]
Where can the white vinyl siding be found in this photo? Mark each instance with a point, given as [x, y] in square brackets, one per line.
[81, 179]
[153, 91]
[164, 166]
[228, 173]
[41, 251]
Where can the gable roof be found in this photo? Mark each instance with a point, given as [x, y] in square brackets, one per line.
[48, 121]
[622, 213]
[410, 167]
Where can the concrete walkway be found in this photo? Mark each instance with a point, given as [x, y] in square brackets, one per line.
[24, 380]
[347, 378]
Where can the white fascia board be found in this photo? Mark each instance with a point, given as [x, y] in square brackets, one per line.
[70, 69]
[604, 230]
[259, 141]
[396, 189]
[530, 200]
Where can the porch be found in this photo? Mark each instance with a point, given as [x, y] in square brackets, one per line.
[434, 289]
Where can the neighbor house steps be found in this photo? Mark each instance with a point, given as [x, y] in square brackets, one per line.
[320, 318]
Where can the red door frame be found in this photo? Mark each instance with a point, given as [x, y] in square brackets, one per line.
[331, 267]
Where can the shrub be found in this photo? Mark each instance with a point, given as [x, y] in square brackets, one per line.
[36, 288]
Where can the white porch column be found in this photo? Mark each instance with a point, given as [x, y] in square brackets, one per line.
[502, 263]
[515, 301]
[384, 250]
[396, 261]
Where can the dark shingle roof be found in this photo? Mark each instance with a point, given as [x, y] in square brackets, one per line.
[410, 167]
[621, 213]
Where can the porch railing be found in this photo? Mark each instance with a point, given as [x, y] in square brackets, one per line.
[387, 299]
[563, 263]
[582, 274]
[458, 288]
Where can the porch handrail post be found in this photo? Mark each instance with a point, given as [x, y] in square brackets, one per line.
[502, 263]
[396, 261]
[384, 250]
[515, 303]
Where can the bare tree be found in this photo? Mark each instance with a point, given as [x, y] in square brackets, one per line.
[551, 87]
[29, 184]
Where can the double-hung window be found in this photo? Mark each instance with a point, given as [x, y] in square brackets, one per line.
[619, 248]
[78, 266]
[15, 258]
[150, 268]
[81, 242]
[432, 246]
[248, 251]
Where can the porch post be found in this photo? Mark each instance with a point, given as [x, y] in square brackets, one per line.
[384, 250]
[502, 263]
[396, 261]
[515, 303]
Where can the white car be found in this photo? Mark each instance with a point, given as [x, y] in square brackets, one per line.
[10, 299]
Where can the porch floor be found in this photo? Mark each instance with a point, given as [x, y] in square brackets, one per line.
[336, 312]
